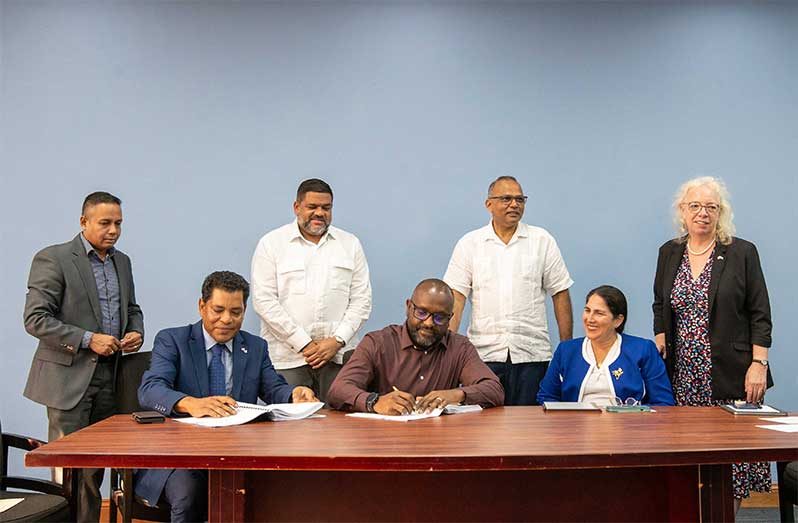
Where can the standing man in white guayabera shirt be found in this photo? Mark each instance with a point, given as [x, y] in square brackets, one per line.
[508, 267]
[311, 289]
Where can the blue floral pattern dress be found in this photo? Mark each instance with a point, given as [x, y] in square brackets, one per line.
[692, 380]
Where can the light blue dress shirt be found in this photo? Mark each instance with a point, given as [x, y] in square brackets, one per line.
[227, 359]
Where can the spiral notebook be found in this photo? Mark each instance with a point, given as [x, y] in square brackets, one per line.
[247, 412]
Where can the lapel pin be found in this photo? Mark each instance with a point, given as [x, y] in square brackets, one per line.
[244, 350]
[617, 373]
[720, 257]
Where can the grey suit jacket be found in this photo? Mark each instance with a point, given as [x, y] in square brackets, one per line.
[61, 305]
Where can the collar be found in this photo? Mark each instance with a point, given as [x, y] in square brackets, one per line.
[210, 342]
[612, 355]
[521, 231]
[296, 235]
[90, 248]
[406, 343]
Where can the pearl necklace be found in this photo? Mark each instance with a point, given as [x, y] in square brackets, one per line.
[711, 244]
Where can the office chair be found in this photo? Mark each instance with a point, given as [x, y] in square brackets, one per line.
[788, 489]
[131, 368]
[49, 501]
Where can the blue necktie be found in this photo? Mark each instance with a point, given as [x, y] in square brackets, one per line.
[216, 371]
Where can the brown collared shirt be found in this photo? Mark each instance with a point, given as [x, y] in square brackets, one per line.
[387, 358]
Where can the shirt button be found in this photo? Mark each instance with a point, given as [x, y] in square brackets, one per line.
[422, 377]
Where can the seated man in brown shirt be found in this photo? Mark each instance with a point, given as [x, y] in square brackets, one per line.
[417, 366]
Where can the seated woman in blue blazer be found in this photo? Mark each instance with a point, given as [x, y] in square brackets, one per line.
[606, 364]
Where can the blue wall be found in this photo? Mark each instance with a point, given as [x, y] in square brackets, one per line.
[203, 117]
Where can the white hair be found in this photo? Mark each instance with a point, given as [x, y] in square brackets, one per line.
[724, 230]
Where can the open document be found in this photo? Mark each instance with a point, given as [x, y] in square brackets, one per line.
[405, 417]
[247, 412]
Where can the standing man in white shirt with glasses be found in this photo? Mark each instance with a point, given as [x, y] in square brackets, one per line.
[508, 267]
[311, 289]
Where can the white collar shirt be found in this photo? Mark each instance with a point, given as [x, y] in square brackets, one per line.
[305, 291]
[507, 284]
[597, 387]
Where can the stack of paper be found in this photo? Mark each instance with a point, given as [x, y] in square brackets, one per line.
[461, 409]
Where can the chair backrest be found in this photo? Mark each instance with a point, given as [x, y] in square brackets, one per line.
[130, 369]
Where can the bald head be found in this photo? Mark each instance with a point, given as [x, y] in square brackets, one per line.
[435, 290]
[429, 312]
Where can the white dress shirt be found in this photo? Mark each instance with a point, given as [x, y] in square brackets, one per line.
[508, 284]
[597, 386]
[304, 291]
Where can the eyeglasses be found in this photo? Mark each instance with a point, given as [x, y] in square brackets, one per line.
[507, 199]
[438, 318]
[695, 207]
[630, 402]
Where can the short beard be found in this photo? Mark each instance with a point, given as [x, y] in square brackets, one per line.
[314, 232]
[418, 342]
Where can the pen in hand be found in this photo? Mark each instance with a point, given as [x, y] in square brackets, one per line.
[405, 410]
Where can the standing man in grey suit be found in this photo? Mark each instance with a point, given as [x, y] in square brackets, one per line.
[81, 305]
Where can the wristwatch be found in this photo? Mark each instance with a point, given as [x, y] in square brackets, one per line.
[764, 363]
[371, 401]
[340, 340]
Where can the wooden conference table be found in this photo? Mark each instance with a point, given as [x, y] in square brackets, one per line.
[503, 464]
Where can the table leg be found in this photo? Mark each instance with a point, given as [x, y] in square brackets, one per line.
[226, 496]
[717, 495]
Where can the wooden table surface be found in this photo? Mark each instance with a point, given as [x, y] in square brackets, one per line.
[511, 438]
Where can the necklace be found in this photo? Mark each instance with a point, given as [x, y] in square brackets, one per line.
[691, 251]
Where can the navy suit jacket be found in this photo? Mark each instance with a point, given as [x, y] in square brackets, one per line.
[179, 368]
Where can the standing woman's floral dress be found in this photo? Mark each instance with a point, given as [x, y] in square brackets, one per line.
[692, 380]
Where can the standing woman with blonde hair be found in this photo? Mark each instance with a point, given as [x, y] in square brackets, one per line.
[712, 313]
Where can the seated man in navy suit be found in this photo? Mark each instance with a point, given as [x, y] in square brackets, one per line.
[201, 370]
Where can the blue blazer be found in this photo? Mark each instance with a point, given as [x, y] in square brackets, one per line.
[638, 372]
[179, 368]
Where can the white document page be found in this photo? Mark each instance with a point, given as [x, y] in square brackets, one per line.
[6, 504]
[780, 428]
[789, 420]
[407, 417]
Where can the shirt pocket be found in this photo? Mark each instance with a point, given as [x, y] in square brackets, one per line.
[290, 278]
[483, 275]
[531, 274]
[341, 271]
[527, 286]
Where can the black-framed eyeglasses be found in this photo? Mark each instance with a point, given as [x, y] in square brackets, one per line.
[507, 199]
[438, 318]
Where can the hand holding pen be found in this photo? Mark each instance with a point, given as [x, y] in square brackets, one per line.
[395, 403]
